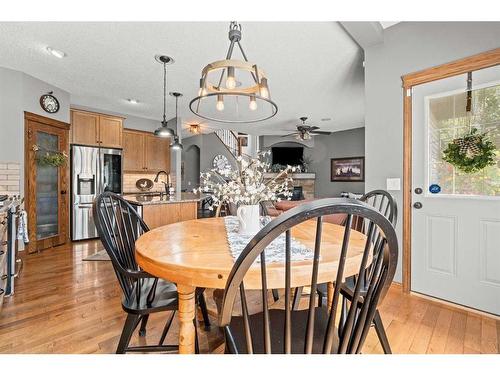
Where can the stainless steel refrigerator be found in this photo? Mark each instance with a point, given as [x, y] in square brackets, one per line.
[94, 170]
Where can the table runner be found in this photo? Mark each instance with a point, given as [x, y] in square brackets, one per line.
[275, 251]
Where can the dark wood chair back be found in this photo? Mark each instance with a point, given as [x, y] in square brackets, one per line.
[384, 203]
[346, 339]
[119, 226]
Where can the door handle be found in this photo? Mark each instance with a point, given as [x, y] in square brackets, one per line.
[417, 205]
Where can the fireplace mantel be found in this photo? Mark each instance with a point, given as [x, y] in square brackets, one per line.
[295, 176]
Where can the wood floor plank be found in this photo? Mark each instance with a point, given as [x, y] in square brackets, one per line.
[439, 336]
[472, 333]
[489, 342]
[456, 334]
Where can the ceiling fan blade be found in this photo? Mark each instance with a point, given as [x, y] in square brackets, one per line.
[288, 135]
[313, 128]
[320, 132]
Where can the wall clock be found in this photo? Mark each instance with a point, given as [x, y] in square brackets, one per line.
[49, 103]
[221, 162]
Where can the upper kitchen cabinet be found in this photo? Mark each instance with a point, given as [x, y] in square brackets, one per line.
[157, 153]
[143, 152]
[94, 129]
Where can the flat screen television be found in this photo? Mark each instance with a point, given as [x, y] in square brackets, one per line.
[287, 155]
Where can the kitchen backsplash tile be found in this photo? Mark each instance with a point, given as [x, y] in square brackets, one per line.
[10, 178]
[129, 180]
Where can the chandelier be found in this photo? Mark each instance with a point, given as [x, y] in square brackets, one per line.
[243, 98]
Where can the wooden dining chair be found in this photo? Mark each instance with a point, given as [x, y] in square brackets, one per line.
[316, 329]
[119, 226]
[384, 203]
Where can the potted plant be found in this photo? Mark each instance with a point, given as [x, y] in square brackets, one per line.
[246, 187]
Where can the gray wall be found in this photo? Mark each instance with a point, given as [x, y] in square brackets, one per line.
[20, 92]
[191, 160]
[210, 146]
[408, 47]
[321, 149]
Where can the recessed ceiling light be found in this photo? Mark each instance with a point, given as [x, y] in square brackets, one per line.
[56, 53]
[133, 101]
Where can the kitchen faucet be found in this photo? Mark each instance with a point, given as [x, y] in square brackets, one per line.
[164, 183]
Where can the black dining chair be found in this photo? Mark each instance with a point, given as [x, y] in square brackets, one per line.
[384, 203]
[313, 330]
[119, 226]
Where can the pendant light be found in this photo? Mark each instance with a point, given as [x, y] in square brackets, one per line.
[164, 131]
[233, 91]
[176, 145]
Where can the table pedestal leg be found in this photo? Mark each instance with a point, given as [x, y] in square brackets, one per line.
[329, 295]
[186, 315]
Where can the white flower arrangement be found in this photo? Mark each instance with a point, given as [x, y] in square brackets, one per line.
[246, 185]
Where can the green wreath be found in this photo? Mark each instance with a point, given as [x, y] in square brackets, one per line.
[49, 158]
[470, 153]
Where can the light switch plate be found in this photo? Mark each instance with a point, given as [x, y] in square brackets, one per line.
[393, 184]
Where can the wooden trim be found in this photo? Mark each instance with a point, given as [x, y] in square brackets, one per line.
[476, 62]
[97, 113]
[62, 128]
[468, 64]
[46, 120]
[138, 131]
[407, 186]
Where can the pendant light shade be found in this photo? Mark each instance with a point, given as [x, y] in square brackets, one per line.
[164, 131]
[233, 91]
[176, 145]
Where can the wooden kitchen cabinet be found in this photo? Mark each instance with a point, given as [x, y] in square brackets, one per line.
[143, 152]
[95, 129]
[157, 151]
[85, 128]
[110, 131]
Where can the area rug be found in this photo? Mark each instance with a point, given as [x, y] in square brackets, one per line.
[100, 255]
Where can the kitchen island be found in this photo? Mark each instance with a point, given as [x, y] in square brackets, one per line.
[160, 209]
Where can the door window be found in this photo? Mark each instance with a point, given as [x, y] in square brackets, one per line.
[448, 119]
[47, 190]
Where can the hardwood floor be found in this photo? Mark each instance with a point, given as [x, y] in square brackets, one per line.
[65, 305]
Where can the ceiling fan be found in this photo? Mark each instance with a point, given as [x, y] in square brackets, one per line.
[305, 132]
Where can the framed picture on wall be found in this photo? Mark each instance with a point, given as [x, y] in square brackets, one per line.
[348, 169]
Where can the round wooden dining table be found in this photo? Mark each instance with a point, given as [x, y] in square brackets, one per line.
[195, 254]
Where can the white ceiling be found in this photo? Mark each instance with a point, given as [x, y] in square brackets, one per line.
[314, 69]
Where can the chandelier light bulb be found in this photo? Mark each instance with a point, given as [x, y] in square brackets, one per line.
[220, 103]
[203, 90]
[230, 81]
[264, 89]
[253, 103]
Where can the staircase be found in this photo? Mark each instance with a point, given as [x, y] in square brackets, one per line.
[230, 140]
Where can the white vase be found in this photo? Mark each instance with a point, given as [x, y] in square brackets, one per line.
[249, 218]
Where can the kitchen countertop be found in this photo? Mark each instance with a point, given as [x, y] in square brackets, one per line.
[148, 198]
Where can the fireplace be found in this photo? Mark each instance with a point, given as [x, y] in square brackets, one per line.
[297, 193]
[303, 182]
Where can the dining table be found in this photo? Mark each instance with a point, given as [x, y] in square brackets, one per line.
[196, 254]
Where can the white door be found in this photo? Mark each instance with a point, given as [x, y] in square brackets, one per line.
[456, 232]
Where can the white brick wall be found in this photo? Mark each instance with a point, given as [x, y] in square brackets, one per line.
[9, 178]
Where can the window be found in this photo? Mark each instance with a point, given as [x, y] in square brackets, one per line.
[447, 119]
